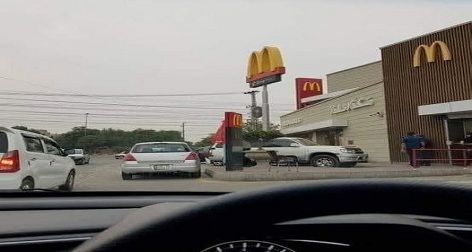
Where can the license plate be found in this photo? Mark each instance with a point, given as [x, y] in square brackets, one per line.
[161, 167]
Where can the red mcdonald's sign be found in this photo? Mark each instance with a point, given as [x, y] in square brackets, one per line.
[233, 120]
[307, 87]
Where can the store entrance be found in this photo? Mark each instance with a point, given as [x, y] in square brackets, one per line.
[459, 129]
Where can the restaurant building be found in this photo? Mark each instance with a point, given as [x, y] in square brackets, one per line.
[351, 113]
[423, 84]
[428, 88]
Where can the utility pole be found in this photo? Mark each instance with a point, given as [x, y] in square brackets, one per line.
[253, 106]
[183, 131]
[265, 109]
[86, 123]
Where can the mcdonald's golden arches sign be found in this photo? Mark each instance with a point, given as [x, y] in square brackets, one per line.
[233, 120]
[265, 67]
[430, 52]
[307, 87]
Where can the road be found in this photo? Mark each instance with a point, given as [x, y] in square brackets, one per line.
[104, 174]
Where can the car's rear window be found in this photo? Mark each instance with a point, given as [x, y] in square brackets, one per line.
[74, 151]
[160, 148]
[3, 142]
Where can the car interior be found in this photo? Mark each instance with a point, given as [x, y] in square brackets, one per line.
[326, 216]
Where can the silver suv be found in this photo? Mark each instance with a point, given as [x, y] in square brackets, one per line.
[307, 152]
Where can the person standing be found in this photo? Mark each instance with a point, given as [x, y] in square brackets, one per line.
[425, 154]
[468, 138]
[410, 142]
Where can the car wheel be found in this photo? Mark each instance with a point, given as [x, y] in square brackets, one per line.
[324, 161]
[69, 184]
[27, 184]
[80, 162]
[126, 176]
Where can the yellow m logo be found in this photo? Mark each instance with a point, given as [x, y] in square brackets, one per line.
[430, 52]
[264, 61]
[237, 120]
[311, 86]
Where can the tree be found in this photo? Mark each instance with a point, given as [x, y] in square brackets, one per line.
[112, 139]
[90, 142]
[249, 134]
[206, 141]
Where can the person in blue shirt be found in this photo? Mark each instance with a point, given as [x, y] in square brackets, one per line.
[410, 142]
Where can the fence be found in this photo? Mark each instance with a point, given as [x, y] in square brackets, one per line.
[461, 157]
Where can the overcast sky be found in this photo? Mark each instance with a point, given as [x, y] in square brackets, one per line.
[169, 47]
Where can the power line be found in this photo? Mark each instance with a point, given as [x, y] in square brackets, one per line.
[100, 109]
[30, 83]
[115, 104]
[111, 123]
[116, 95]
[125, 96]
[130, 116]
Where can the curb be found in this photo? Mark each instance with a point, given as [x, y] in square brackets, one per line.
[286, 176]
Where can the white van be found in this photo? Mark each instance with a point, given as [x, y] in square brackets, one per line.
[29, 160]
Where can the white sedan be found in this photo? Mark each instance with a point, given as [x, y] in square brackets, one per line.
[160, 157]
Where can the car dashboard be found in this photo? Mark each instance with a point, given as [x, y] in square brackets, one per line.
[42, 221]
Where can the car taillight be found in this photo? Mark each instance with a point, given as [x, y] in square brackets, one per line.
[192, 156]
[10, 162]
[129, 157]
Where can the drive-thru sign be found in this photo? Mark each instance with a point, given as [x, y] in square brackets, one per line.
[233, 141]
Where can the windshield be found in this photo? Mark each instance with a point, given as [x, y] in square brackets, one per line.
[226, 96]
[160, 148]
[74, 151]
[306, 142]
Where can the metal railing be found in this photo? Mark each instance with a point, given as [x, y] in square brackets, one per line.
[464, 160]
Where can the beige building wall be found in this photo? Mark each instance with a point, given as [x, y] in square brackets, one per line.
[356, 77]
[366, 126]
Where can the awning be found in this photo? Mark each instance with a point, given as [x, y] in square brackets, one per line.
[456, 107]
[328, 124]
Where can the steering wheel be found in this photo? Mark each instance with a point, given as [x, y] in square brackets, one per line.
[233, 215]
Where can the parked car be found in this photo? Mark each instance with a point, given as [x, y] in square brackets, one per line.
[79, 156]
[216, 154]
[203, 153]
[29, 160]
[160, 157]
[307, 152]
[121, 155]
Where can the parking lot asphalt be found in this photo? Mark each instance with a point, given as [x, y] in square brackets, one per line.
[104, 174]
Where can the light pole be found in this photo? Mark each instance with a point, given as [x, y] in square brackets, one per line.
[86, 123]
[253, 106]
[183, 131]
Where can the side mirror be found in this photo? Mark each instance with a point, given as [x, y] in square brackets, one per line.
[294, 145]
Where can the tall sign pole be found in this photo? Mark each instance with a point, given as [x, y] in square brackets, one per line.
[265, 109]
[265, 67]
